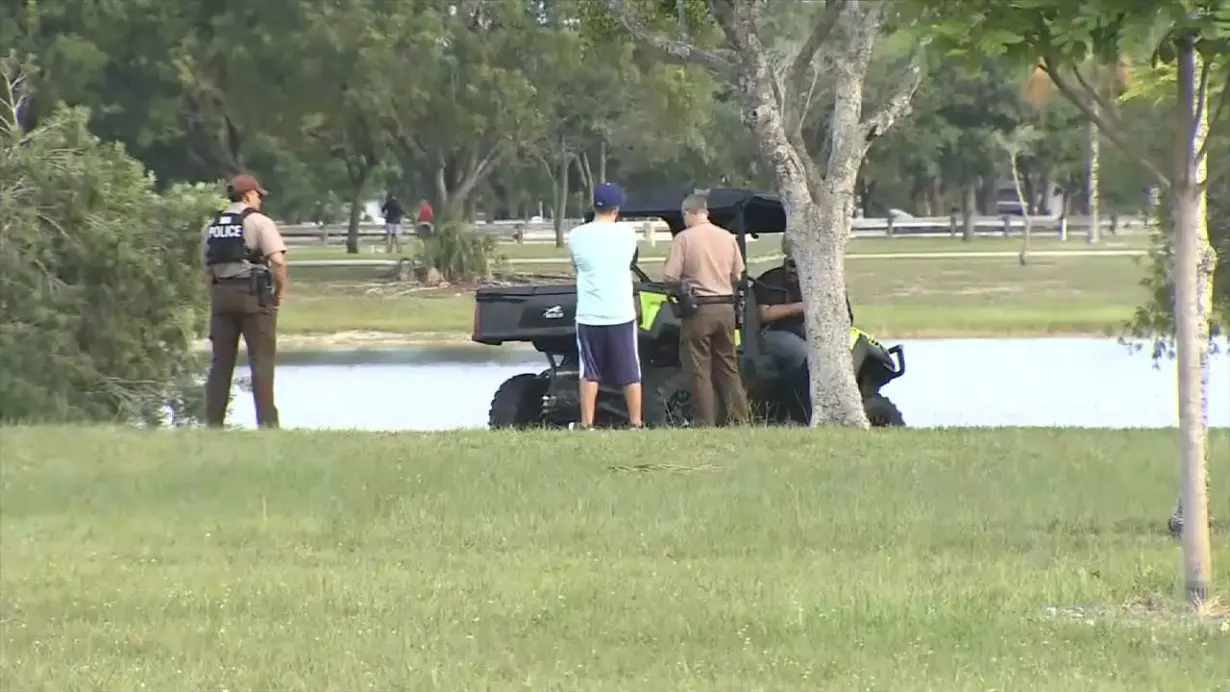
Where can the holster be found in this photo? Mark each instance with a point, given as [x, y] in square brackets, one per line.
[260, 284]
[687, 303]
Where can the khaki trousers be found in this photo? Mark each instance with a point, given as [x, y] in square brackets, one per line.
[237, 311]
[707, 354]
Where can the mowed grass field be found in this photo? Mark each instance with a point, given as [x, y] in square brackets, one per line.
[766, 245]
[893, 297]
[735, 560]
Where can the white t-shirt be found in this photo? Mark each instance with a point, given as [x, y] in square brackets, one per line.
[602, 252]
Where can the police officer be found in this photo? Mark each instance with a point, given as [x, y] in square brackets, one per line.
[705, 262]
[245, 272]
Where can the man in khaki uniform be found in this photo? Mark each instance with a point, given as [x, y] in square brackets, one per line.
[245, 273]
[704, 260]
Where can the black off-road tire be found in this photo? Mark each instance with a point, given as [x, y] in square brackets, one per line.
[517, 403]
[882, 412]
[666, 395]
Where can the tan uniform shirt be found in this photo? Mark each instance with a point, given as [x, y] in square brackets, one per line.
[706, 259]
[259, 234]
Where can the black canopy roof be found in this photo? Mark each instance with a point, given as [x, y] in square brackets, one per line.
[762, 212]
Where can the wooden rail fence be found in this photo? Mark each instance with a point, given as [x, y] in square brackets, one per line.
[534, 233]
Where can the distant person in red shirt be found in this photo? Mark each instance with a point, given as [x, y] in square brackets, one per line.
[427, 218]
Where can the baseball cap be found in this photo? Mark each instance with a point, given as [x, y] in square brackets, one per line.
[608, 196]
[244, 183]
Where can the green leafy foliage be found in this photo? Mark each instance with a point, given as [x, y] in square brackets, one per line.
[461, 103]
[100, 286]
[459, 252]
[1154, 322]
[949, 141]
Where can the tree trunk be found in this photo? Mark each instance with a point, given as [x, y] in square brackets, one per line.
[969, 208]
[1193, 273]
[816, 230]
[602, 156]
[356, 212]
[1093, 181]
[1029, 196]
[935, 199]
[561, 196]
[441, 184]
[1026, 232]
[988, 203]
[454, 199]
[1044, 203]
[586, 173]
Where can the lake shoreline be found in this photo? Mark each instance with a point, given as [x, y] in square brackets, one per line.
[359, 339]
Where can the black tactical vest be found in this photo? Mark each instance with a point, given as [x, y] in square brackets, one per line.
[224, 241]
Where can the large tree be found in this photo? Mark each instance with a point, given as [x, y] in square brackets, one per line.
[473, 101]
[733, 39]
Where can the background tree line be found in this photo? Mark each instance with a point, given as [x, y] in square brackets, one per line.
[496, 106]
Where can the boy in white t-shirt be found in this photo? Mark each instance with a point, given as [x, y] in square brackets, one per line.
[602, 253]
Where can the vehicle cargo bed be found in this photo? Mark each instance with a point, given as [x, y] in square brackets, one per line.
[524, 313]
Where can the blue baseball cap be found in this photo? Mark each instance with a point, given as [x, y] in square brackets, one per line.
[608, 196]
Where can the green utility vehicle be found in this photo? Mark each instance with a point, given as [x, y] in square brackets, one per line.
[544, 315]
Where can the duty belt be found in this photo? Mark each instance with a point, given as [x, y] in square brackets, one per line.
[259, 283]
[713, 300]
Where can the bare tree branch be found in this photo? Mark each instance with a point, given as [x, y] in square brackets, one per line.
[898, 105]
[1079, 96]
[16, 96]
[797, 76]
[719, 61]
[1095, 95]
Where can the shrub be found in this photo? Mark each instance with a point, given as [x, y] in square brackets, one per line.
[100, 286]
[459, 252]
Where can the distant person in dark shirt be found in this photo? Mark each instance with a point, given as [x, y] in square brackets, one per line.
[779, 300]
[393, 214]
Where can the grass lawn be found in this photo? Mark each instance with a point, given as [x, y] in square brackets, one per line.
[893, 298]
[765, 560]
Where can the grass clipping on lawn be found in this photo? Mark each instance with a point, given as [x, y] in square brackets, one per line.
[789, 560]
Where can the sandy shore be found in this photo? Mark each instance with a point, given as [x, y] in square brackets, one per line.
[357, 340]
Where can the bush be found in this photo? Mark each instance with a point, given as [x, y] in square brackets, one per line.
[100, 286]
[459, 252]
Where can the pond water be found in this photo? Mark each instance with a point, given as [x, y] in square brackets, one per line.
[1095, 383]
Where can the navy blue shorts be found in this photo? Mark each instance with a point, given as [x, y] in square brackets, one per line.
[609, 354]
